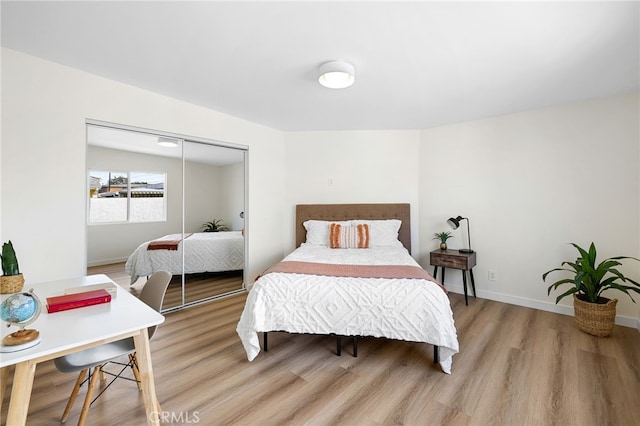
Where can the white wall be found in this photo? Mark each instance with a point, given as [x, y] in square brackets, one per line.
[351, 167]
[530, 184]
[44, 107]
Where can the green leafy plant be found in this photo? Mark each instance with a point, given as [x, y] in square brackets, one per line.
[442, 236]
[215, 225]
[590, 280]
[9, 260]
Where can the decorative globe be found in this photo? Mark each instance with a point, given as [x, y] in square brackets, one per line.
[20, 309]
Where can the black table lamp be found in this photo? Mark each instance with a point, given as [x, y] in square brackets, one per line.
[455, 224]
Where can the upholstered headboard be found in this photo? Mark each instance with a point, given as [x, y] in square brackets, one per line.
[336, 212]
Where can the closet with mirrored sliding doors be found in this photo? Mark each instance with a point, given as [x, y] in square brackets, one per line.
[162, 201]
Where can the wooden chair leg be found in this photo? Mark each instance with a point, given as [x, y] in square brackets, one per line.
[4, 379]
[89, 396]
[74, 394]
[134, 368]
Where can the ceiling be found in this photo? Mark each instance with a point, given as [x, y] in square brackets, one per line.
[418, 64]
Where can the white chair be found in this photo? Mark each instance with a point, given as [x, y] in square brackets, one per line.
[94, 359]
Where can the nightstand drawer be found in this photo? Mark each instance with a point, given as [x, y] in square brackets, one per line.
[450, 259]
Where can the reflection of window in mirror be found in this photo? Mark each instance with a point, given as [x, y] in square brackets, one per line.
[126, 196]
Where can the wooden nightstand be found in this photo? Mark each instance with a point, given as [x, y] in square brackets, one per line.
[456, 260]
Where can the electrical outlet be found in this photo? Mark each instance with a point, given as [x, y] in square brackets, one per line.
[493, 275]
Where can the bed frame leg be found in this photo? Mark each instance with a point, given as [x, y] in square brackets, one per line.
[339, 345]
[436, 354]
[355, 346]
[264, 340]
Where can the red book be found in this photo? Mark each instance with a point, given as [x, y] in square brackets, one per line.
[77, 300]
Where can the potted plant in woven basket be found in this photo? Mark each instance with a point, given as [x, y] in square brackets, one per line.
[11, 280]
[594, 313]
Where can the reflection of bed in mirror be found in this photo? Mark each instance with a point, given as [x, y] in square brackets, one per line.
[203, 252]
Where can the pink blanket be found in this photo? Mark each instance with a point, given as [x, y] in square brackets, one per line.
[356, 271]
[168, 242]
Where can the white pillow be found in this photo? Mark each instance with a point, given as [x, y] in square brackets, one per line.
[318, 231]
[382, 233]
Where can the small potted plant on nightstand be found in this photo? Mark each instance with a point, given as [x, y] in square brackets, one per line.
[443, 237]
[594, 313]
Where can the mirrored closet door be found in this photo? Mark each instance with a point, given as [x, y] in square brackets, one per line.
[213, 220]
[154, 200]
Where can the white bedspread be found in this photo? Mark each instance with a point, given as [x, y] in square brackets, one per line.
[406, 309]
[203, 252]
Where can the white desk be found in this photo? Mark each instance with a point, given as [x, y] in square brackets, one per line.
[76, 329]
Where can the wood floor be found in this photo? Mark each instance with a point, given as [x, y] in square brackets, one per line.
[516, 366]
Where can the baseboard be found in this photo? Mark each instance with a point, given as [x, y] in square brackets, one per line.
[106, 261]
[622, 320]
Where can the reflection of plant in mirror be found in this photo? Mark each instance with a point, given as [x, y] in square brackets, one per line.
[215, 225]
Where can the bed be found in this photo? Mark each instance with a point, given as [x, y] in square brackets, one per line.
[378, 291]
[203, 252]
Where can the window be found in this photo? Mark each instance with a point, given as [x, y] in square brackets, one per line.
[116, 196]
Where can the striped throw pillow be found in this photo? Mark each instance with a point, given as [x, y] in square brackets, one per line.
[354, 236]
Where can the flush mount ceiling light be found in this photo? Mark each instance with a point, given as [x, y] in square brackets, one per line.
[337, 74]
[167, 142]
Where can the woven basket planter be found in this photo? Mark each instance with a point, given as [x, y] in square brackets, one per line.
[595, 318]
[11, 283]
